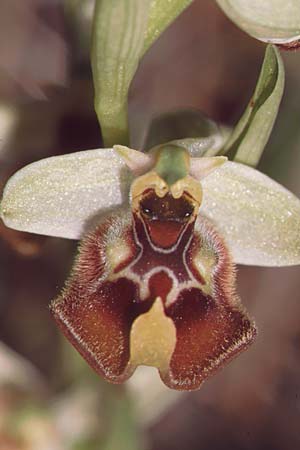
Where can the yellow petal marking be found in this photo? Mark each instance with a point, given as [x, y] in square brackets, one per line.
[117, 252]
[152, 338]
[148, 181]
[205, 261]
[190, 185]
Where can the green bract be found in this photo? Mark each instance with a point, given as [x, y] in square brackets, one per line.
[122, 32]
[274, 21]
[252, 132]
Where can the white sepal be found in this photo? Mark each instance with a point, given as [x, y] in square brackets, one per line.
[63, 195]
[259, 219]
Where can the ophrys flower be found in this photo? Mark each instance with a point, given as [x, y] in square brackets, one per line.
[154, 282]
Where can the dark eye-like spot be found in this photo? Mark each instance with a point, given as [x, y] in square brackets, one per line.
[187, 213]
[146, 210]
[166, 208]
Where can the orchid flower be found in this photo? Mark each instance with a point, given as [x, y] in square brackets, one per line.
[154, 281]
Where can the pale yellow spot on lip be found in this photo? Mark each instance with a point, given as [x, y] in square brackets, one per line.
[205, 261]
[152, 338]
[117, 252]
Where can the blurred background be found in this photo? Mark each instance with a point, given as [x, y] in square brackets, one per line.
[49, 397]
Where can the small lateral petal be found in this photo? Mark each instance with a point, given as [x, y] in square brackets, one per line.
[137, 161]
[201, 167]
[60, 196]
[259, 218]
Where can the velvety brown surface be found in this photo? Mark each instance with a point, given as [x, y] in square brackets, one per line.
[208, 335]
[100, 303]
[98, 324]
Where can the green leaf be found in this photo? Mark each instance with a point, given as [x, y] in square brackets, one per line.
[63, 195]
[258, 218]
[274, 21]
[252, 132]
[123, 30]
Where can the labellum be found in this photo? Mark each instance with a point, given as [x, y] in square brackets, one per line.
[156, 285]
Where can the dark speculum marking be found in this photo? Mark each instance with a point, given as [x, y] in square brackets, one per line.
[176, 260]
[165, 218]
